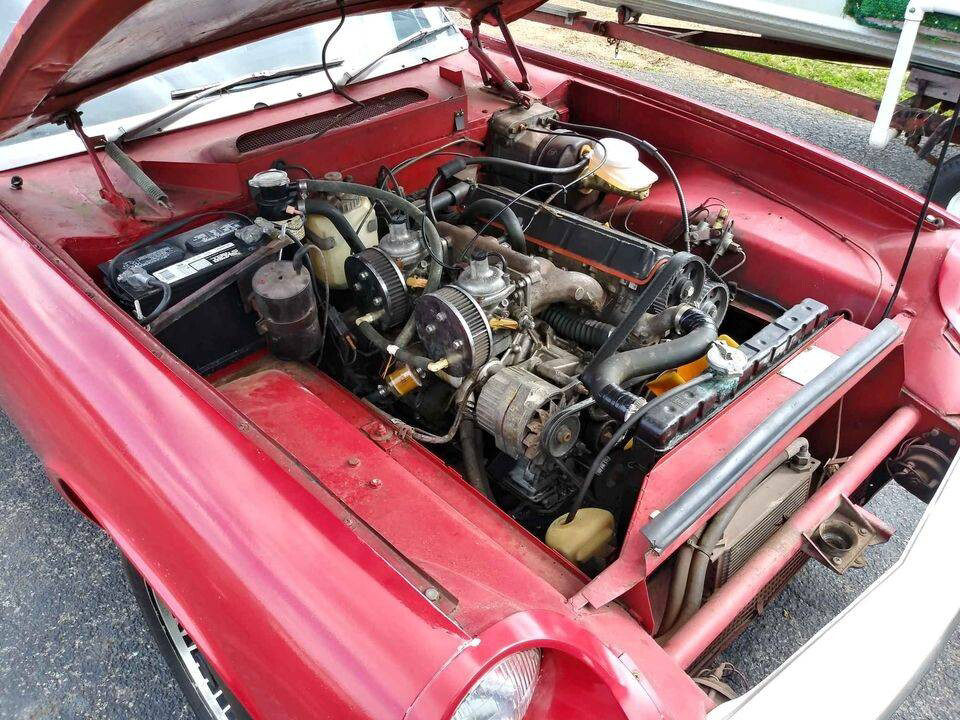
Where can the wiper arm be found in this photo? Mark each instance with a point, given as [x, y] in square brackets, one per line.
[402, 44]
[188, 97]
[256, 77]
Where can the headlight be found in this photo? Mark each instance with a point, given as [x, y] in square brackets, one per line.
[504, 692]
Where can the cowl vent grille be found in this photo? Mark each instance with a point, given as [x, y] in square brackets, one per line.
[323, 122]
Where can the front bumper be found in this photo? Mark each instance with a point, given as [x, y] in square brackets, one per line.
[864, 662]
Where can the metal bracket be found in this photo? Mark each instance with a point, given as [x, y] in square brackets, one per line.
[490, 72]
[108, 191]
[841, 540]
[569, 15]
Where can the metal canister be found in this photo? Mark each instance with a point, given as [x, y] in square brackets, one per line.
[283, 297]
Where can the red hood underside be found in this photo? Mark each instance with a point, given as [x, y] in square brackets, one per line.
[63, 52]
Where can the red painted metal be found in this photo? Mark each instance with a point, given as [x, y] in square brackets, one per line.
[239, 517]
[836, 98]
[63, 52]
[686, 645]
[107, 191]
[693, 457]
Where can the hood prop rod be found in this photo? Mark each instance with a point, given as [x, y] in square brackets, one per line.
[490, 72]
[108, 190]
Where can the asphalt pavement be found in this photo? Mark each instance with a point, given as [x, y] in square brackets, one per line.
[71, 641]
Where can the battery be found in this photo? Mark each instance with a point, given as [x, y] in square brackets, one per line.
[223, 327]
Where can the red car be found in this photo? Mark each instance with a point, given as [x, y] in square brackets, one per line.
[418, 375]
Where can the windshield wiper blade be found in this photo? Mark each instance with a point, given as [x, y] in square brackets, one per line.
[404, 43]
[196, 94]
[256, 77]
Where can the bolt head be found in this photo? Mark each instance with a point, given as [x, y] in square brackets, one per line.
[375, 482]
[432, 594]
[353, 461]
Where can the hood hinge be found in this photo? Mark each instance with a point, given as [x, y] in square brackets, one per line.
[108, 190]
[490, 72]
[71, 118]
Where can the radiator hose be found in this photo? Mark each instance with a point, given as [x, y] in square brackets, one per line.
[316, 206]
[698, 331]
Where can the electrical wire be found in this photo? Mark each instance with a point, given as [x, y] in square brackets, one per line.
[647, 148]
[922, 217]
[336, 88]
[620, 433]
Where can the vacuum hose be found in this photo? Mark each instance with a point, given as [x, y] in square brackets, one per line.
[509, 219]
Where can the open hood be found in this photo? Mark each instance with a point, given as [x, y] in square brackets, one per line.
[63, 52]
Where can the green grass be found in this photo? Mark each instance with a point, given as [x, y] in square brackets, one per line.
[855, 78]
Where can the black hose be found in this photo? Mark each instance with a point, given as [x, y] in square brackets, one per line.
[581, 330]
[473, 470]
[430, 234]
[451, 168]
[621, 432]
[401, 354]
[678, 587]
[650, 150]
[316, 206]
[453, 195]
[431, 191]
[699, 331]
[507, 217]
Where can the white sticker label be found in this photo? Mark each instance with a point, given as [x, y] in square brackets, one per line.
[193, 265]
[808, 364]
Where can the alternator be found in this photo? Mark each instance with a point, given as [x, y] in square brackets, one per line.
[515, 406]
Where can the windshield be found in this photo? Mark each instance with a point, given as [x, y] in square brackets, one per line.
[361, 40]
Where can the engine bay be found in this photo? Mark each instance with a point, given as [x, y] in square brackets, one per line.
[506, 316]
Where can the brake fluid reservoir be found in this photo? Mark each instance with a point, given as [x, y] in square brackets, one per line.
[615, 167]
[359, 213]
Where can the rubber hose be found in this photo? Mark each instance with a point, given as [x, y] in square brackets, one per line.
[473, 469]
[713, 533]
[678, 587]
[699, 332]
[401, 354]
[316, 206]
[509, 219]
[581, 330]
[430, 234]
[448, 170]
